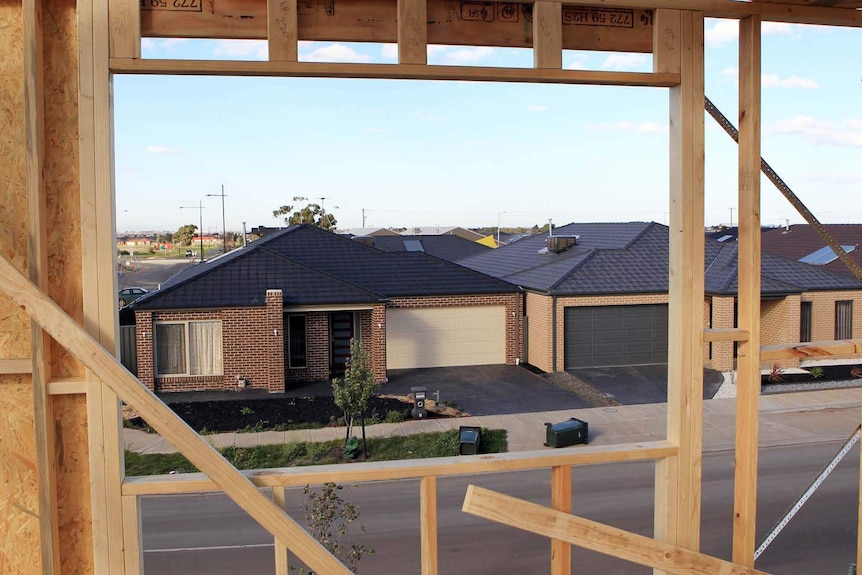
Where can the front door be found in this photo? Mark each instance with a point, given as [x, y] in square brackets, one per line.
[341, 329]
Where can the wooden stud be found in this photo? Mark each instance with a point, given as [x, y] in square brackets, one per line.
[282, 30]
[19, 366]
[535, 518]
[67, 386]
[547, 35]
[666, 45]
[282, 558]
[200, 453]
[811, 349]
[412, 32]
[678, 479]
[125, 28]
[428, 524]
[725, 334]
[132, 539]
[748, 363]
[561, 500]
[390, 71]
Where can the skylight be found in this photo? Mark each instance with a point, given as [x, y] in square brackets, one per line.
[725, 238]
[413, 246]
[824, 256]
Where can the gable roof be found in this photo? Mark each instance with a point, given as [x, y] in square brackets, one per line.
[314, 267]
[800, 240]
[632, 257]
[450, 248]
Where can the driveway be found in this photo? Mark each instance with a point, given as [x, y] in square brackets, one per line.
[640, 384]
[485, 389]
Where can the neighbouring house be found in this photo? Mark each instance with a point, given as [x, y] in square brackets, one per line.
[596, 295]
[451, 248]
[368, 232]
[444, 231]
[284, 308]
[802, 242]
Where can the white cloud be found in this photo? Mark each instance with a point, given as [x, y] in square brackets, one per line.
[774, 80]
[536, 108]
[464, 56]
[157, 149]
[251, 49]
[335, 53]
[821, 131]
[151, 45]
[389, 51]
[624, 61]
[641, 128]
[728, 30]
[578, 62]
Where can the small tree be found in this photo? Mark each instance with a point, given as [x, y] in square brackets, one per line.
[312, 214]
[353, 392]
[185, 234]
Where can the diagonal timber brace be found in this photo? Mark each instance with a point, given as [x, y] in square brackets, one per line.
[535, 518]
[87, 350]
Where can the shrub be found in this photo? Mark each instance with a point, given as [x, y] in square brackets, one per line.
[394, 416]
[816, 372]
[775, 373]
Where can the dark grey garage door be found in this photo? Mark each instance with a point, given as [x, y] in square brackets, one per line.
[615, 335]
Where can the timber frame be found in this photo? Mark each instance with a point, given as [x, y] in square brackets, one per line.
[68, 506]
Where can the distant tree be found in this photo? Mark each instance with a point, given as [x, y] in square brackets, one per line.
[353, 392]
[185, 234]
[164, 238]
[311, 214]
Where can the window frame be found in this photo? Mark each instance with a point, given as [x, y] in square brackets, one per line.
[186, 347]
[806, 321]
[844, 330]
[289, 340]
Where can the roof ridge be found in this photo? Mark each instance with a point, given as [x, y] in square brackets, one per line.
[587, 257]
[452, 264]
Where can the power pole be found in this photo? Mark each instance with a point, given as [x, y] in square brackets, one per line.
[223, 227]
[200, 208]
[363, 217]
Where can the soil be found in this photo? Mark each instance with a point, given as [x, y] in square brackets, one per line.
[279, 413]
[829, 373]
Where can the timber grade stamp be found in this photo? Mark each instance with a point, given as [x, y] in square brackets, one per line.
[173, 5]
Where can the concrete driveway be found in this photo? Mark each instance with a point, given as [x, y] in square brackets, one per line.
[486, 389]
[640, 384]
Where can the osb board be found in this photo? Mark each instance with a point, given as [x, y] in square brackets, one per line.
[61, 170]
[19, 500]
[73, 483]
[14, 324]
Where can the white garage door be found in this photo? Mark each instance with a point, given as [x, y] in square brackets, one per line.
[442, 337]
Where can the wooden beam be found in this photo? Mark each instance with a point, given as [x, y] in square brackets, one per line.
[412, 32]
[428, 524]
[547, 34]
[561, 500]
[811, 349]
[748, 363]
[132, 539]
[406, 469]
[125, 28]
[67, 386]
[201, 454]
[18, 366]
[725, 334]
[282, 558]
[282, 30]
[678, 479]
[666, 47]
[594, 536]
[390, 71]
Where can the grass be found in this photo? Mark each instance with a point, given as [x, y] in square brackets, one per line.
[418, 446]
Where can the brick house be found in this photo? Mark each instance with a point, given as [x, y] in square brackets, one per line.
[802, 242]
[596, 295]
[283, 309]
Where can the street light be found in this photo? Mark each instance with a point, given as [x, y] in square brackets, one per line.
[223, 227]
[499, 214]
[200, 208]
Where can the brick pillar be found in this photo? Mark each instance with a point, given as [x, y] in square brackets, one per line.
[377, 343]
[275, 339]
[144, 348]
[793, 309]
[722, 317]
[513, 328]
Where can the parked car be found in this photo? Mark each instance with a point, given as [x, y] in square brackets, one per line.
[190, 253]
[130, 294]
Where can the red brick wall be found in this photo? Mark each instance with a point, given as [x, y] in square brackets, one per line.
[373, 336]
[275, 338]
[539, 352]
[317, 349]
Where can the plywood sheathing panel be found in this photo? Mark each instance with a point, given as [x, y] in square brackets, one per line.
[64, 282]
[449, 22]
[19, 504]
[14, 324]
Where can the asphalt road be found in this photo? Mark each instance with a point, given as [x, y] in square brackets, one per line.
[152, 272]
[208, 534]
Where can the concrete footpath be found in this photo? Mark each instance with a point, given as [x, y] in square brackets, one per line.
[785, 419]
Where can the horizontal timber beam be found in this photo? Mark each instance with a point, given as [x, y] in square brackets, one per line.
[18, 366]
[811, 349]
[68, 333]
[391, 71]
[406, 469]
[725, 334]
[594, 536]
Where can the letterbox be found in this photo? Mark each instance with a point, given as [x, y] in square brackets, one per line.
[566, 433]
[419, 409]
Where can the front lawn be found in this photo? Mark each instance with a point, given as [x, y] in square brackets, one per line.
[418, 446]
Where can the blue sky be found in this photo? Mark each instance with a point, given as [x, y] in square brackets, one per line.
[455, 153]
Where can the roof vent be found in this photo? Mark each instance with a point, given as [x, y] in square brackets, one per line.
[364, 240]
[557, 244]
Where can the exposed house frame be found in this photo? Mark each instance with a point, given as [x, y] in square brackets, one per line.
[67, 506]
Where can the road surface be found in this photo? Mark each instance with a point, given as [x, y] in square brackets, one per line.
[208, 534]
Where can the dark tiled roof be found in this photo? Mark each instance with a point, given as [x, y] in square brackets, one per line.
[450, 248]
[800, 240]
[312, 266]
[633, 258]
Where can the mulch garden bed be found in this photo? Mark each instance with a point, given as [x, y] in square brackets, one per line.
[821, 374]
[274, 414]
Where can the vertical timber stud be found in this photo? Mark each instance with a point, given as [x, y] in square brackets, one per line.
[281, 557]
[412, 32]
[100, 284]
[547, 35]
[134, 544]
[748, 365]
[561, 500]
[428, 523]
[125, 28]
[282, 30]
[678, 478]
[38, 269]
